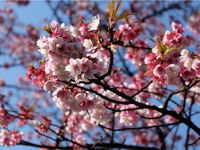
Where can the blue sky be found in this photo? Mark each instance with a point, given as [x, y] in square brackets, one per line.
[29, 15]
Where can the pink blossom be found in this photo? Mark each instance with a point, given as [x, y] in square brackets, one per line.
[10, 138]
[49, 86]
[173, 73]
[43, 125]
[141, 138]
[128, 117]
[176, 38]
[86, 124]
[81, 69]
[196, 66]
[187, 74]
[177, 27]
[99, 114]
[5, 118]
[128, 32]
[84, 102]
[156, 88]
[54, 24]
[194, 23]
[60, 96]
[159, 71]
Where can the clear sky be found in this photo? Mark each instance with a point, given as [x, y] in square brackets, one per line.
[31, 14]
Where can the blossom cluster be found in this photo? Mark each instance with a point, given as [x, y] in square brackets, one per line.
[5, 118]
[166, 64]
[194, 23]
[10, 138]
[87, 94]
[175, 38]
[73, 56]
[128, 33]
[69, 54]
[43, 125]
[7, 137]
[185, 67]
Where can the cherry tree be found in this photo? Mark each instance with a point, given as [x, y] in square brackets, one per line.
[104, 75]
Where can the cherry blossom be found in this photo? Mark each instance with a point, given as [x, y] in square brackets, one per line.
[101, 76]
[10, 138]
[5, 118]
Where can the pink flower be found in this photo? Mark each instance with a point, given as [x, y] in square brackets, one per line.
[177, 27]
[5, 118]
[42, 126]
[159, 71]
[37, 75]
[196, 66]
[128, 117]
[99, 114]
[187, 74]
[74, 67]
[156, 87]
[142, 138]
[176, 38]
[81, 69]
[173, 69]
[194, 23]
[54, 24]
[10, 138]
[61, 96]
[173, 73]
[128, 32]
[49, 86]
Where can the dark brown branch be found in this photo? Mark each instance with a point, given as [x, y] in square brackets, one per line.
[141, 128]
[141, 90]
[118, 145]
[110, 65]
[162, 137]
[173, 138]
[121, 43]
[159, 12]
[153, 107]
[95, 92]
[150, 118]
[189, 117]
[194, 142]
[54, 10]
[127, 70]
[187, 87]
[43, 146]
[20, 88]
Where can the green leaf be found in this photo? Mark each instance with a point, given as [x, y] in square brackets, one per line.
[123, 15]
[111, 7]
[118, 7]
[164, 50]
[47, 29]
